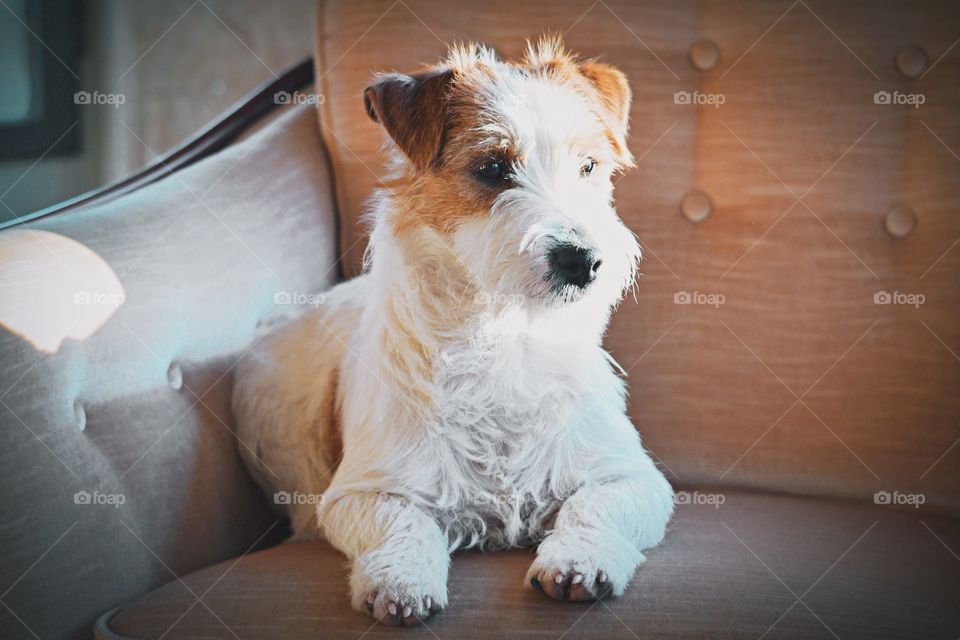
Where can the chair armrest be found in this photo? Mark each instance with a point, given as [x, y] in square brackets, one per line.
[120, 462]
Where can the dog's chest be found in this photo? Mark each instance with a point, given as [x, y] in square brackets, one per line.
[503, 417]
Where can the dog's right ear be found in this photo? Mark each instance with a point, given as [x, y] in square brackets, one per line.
[413, 111]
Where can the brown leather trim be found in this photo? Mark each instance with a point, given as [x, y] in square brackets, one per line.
[208, 141]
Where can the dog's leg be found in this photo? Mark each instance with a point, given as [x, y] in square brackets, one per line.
[399, 554]
[599, 534]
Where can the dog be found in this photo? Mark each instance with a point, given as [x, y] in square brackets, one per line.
[456, 394]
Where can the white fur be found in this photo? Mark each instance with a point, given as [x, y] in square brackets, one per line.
[476, 409]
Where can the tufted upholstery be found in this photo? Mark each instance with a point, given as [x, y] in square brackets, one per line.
[797, 382]
[141, 408]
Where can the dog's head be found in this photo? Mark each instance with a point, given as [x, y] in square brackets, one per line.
[509, 164]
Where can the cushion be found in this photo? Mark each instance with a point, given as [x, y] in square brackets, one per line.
[734, 565]
[116, 447]
[757, 353]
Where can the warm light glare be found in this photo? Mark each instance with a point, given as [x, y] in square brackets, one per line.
[53, 288]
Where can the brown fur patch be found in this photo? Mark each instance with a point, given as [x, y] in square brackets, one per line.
[412, 110]
[332, 439]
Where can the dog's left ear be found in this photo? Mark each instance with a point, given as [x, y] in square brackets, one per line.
[613, 92]
[413, 111]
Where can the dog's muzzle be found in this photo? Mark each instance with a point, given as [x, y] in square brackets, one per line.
[572, 264]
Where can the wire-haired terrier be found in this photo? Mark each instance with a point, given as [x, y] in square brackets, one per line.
[456, 394]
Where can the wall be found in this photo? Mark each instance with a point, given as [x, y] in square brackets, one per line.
[176, 66]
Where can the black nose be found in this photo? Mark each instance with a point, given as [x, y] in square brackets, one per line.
[572, 264]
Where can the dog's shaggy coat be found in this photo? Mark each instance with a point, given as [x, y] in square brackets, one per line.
[456, 394]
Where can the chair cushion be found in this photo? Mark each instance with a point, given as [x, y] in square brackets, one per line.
[730, 571]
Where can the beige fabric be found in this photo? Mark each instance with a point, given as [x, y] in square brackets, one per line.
[715, 390]
[201, 256]
[703, 582]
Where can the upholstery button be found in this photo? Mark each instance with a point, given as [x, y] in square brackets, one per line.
[696, 206]
[175, 376]
[900, 221]
[80, 415]
[704, 55]
[911, 61]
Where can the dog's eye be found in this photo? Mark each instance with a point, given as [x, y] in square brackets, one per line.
[492, 172]
[588, 167]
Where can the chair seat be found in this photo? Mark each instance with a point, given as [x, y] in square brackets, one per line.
[757, 565]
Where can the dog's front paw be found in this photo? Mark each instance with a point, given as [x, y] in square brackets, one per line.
[402, 595]
[571, 582]
[574, 571]
[400, 607]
